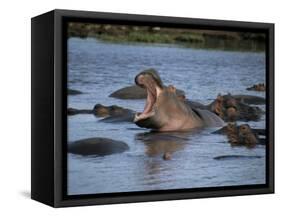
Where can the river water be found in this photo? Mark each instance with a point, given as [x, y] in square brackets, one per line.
[97, 69]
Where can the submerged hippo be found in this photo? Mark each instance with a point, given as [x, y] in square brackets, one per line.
[242, 135]
[257, 87]
[111, 113]
[237, 157]
[231, 108]
[73, 92]
[74, 111]
[136, 92]
[249, 99]
[164, 111]
[97, 146]
[113, 110]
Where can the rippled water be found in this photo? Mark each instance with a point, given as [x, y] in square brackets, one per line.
[97, 69]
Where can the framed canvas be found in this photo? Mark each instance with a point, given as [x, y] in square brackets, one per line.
[134, 108]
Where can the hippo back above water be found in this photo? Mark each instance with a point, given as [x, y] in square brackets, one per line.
[97, 147]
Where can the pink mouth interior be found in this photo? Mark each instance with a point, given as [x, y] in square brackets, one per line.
[150, 101]
[150, 87]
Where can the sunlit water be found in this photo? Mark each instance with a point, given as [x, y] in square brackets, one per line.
[98, 69]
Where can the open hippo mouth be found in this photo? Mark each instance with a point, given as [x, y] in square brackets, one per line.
[165, 111]
[150, 80]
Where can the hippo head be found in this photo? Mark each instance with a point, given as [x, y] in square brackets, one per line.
[100, 110]
[163, 108]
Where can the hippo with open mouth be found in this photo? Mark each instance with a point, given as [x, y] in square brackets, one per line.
[165, 111]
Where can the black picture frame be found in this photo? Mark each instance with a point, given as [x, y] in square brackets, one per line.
[49, 111]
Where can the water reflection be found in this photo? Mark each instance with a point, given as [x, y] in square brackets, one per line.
[159, 143]
[157, 146]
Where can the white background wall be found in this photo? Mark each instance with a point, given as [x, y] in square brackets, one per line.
[15, 106]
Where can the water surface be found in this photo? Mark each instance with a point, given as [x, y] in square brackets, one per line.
[97, 69]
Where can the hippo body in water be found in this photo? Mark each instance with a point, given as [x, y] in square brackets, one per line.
[129, 117]
[73, 92]
[106, 111]
[165, 111]
[109, 114]
[97, 146]
[231, 108]
[238, 157]
[257, 87]
[114, 114]
[249, 99]
[242, 135]
[74, 111]
[136, 92]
